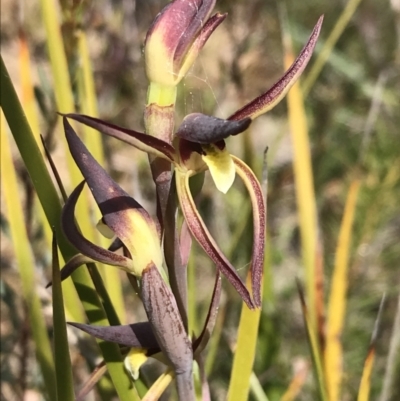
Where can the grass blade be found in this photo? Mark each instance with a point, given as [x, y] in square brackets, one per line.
[314, 346]
[88, 105]
[50, 202]
[29, 105]
[244, 354]
[304, 181]
[256, 389]
[337, 300]
[365, 384]
[65, 387]
[297, 382]
[159, 386]
[26, 264]
[58, 59]
[329, 44]
[393, 354]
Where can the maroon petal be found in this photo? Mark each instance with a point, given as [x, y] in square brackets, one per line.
[204, 238]
[210, 26]
[138, 335]
[82, 244]
[201, 342]
[203, 129]
[139, 140]
[202, 10]
[75, 262]
[259, 223]
[117, 207]
[275, 94]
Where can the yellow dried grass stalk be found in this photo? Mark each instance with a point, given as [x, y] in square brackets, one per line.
[337, 300]
[304, 182]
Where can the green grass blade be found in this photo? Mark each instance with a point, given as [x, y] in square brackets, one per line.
[65, 387]
[58, 59]
[50, 202]
[392, 364]
[29, 106]
[256, 389]
[243, 360]
[65, 103]
[365, 383]
[314, 347]
[26, 265]
[329, 44]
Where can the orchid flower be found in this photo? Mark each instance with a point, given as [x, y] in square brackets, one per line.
[199, 145]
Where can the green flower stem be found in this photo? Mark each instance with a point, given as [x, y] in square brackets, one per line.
[159, 118]
[48, 196]
[161, 95]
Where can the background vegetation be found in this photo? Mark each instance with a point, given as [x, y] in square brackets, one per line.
[352, 109]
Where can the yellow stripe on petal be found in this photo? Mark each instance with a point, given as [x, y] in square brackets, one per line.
[221, 166]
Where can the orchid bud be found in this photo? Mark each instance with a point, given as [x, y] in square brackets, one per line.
[175, 38]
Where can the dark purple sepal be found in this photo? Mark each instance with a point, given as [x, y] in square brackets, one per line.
[75, 262]
[137, 335]
[113, 201]
[259, 223]
[201, 342]
[83, 245]
[139, 140]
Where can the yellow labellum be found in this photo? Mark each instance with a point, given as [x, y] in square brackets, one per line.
[221, 166]
[134, 360]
